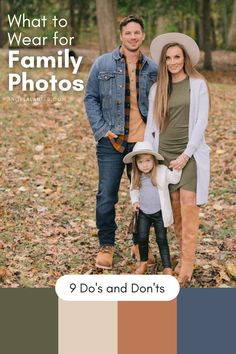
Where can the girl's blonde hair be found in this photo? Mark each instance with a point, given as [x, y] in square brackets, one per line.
[164, 85]
[136, 173]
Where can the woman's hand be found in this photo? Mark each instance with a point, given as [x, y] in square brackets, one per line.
[136, 206]
[180, 162]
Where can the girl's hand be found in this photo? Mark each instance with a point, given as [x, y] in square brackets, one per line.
[180, 162]
[136, 206]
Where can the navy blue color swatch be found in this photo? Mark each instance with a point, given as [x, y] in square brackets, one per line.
[206, 321]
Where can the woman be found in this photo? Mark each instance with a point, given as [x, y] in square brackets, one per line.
[177, 119]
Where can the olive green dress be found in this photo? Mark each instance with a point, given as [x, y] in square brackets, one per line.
[174, 139]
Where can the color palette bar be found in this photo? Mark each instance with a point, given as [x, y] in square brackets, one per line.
[198, 321]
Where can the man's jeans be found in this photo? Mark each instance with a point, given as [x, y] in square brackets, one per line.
[111, 167]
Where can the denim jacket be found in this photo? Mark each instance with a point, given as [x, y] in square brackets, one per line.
[105, 92]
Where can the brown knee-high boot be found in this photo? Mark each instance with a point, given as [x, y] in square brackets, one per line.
[190, 224]
[176, 208]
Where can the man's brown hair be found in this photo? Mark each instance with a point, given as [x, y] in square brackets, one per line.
[131, 18]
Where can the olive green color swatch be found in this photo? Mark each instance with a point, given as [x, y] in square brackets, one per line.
[28, 321]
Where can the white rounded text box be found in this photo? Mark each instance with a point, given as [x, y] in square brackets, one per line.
[117, 288]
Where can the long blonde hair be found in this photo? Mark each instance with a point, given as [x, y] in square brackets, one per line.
[136, 173]
[164, 85]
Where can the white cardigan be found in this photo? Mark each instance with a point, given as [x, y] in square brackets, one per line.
[164, 176]
[198, 119]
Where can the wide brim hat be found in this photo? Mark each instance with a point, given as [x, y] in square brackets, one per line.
[143, 147]
[187, 42]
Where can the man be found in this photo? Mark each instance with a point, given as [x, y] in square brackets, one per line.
[116, 101]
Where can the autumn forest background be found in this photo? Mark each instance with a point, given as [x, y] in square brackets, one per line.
[48, 179]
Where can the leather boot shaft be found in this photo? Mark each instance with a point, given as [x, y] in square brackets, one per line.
[190, 225]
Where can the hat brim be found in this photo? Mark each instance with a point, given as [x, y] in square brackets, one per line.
[174, 37]
[128, 157]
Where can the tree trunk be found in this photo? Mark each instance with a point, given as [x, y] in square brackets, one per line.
[231, 43]
[2, 37]
[106, 20]
[199, 24]
[207, 34]
[72, 21]
[162, 22]
[224, 25]
[83, 15]
[213, 32]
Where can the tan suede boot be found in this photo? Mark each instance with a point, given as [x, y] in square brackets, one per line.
[167, 271]
[190, 224]
[104, 258]
[178, 230]
[142, 268]
[135, 254]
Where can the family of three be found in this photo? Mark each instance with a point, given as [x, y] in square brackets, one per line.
[150, 116]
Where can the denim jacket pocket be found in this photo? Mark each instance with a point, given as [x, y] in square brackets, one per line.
[106, 82]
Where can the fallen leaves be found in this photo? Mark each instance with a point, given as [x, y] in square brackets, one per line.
[230, 244]
[2, 272]
[22, 189]
[217, 207]
[39, 148]
[219, 152]
[231, 270]
[91, 223]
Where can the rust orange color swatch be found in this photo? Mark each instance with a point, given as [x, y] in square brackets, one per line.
[147, 327]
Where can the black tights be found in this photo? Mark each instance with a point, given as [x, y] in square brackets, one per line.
[144, 223]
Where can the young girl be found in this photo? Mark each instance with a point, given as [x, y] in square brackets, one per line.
[150, 195]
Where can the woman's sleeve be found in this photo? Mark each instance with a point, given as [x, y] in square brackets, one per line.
[201, 123]
[149, 133]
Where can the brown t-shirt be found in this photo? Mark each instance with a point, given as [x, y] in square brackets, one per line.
[136, 124]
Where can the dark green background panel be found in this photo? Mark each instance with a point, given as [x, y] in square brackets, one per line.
[28, 321]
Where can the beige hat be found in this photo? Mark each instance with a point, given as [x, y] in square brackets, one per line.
[187, 42]
[142, 147]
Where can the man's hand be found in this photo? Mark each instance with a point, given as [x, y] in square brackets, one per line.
[109, 134]
[136, 206]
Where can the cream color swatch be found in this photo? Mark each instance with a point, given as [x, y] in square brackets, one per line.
[87, 327]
